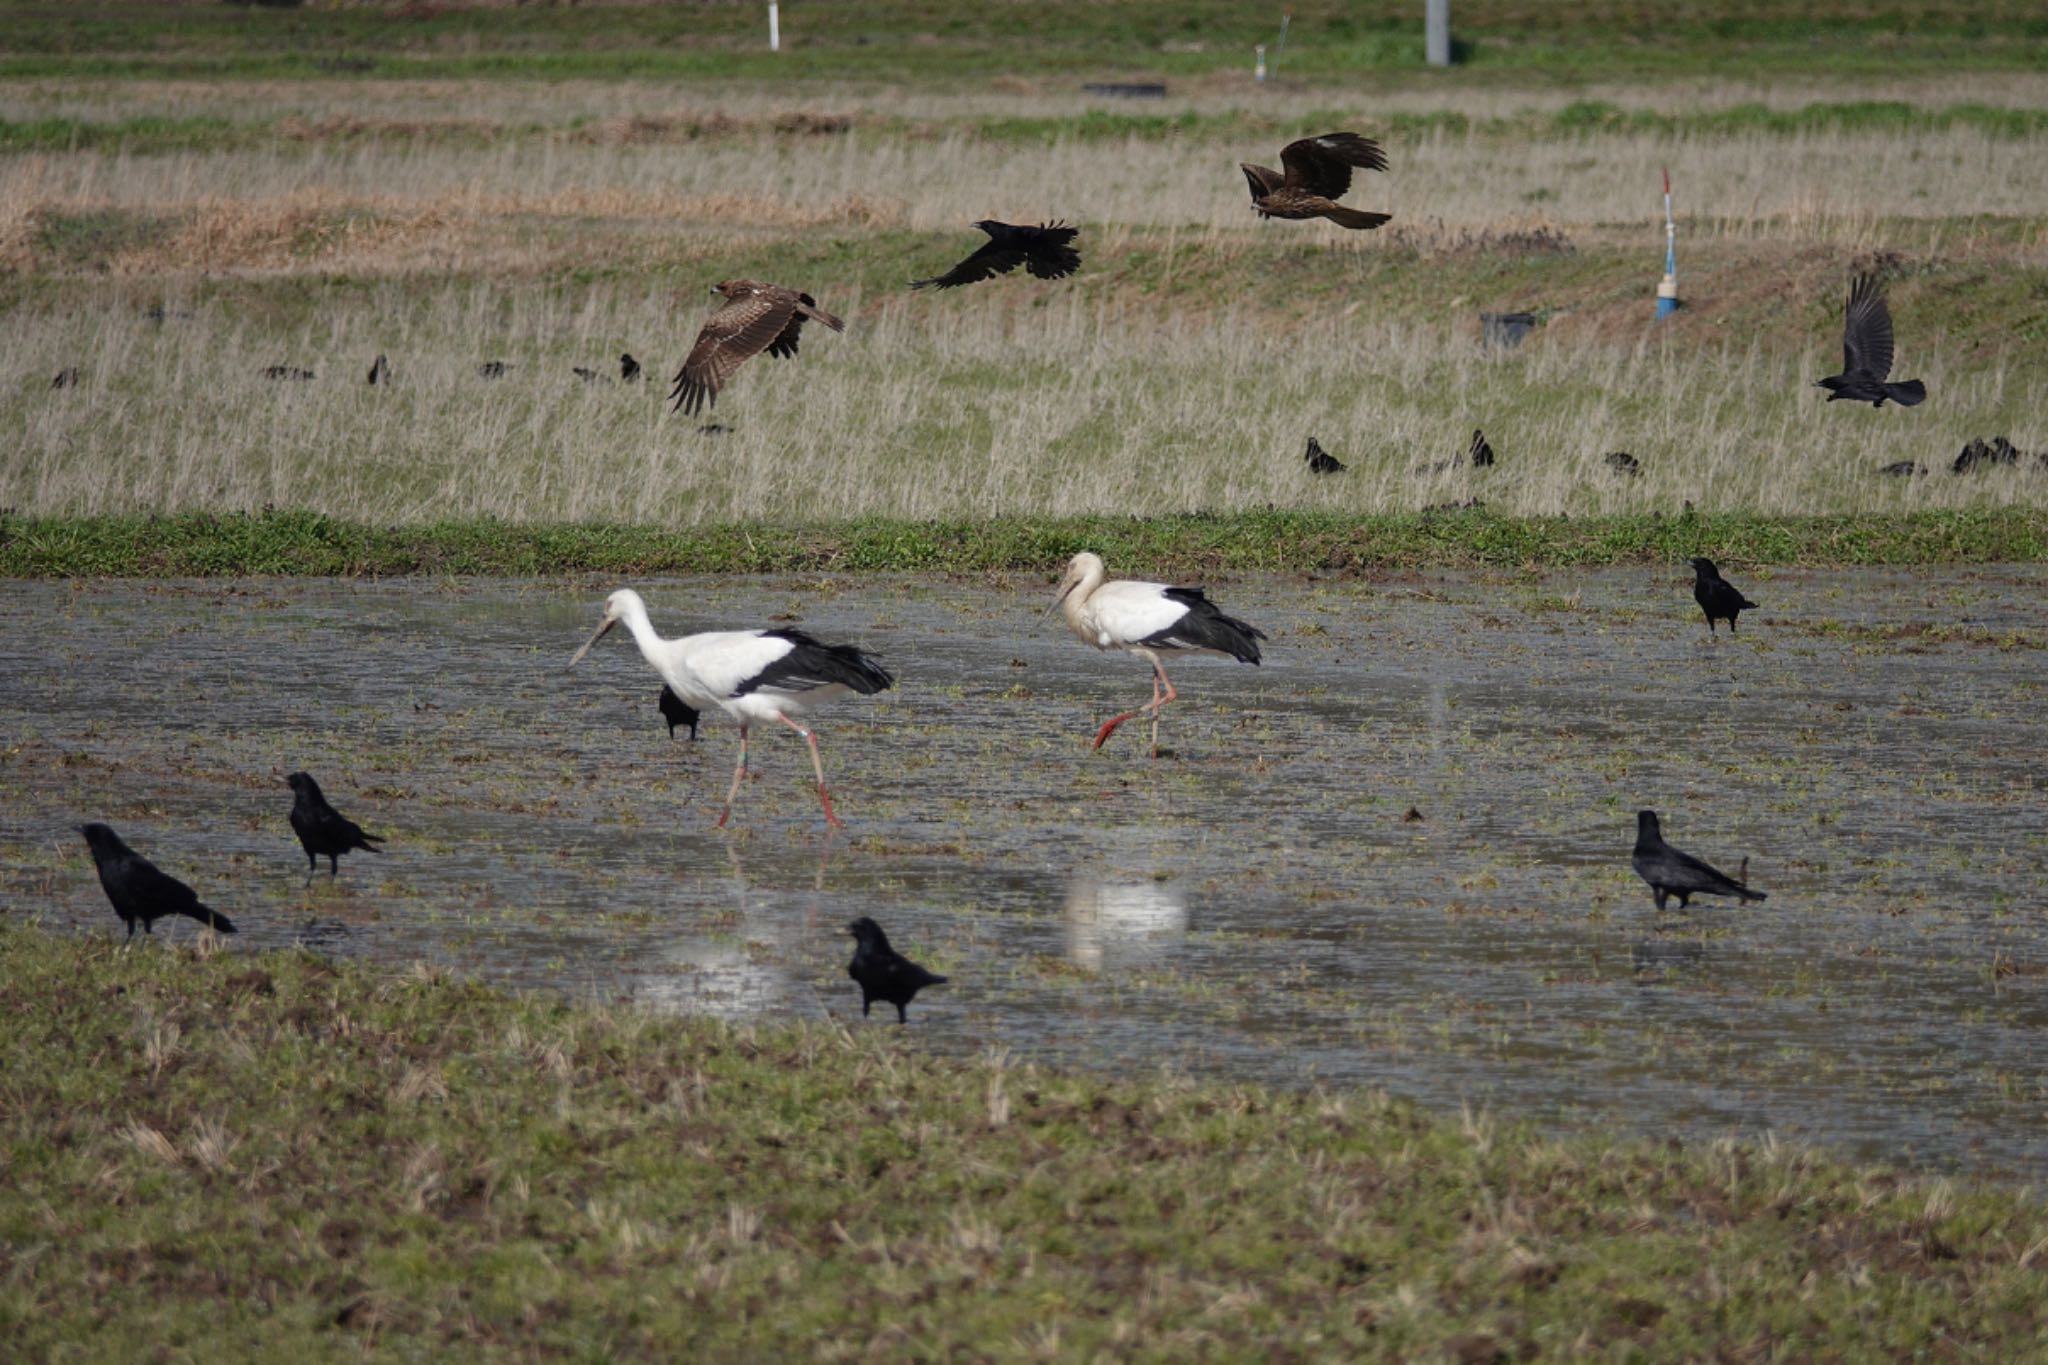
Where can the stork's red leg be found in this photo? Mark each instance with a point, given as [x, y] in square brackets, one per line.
[818, 767]
[738, 773]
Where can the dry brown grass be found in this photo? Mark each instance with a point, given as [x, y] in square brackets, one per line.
[1180, 372]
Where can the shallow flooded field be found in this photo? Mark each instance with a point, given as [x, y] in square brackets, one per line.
[1257, 903]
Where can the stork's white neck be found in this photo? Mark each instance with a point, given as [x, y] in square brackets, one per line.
[634, 614]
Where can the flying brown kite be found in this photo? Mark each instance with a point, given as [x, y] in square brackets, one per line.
[757, 317]
[1046, 251]
[1318, 173]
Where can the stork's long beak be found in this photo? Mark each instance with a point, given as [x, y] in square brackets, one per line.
[1065, 588]
[595, 636]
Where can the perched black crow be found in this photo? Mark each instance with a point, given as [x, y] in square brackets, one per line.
[323, 831]
[1044, 250]
[139, 889]
[493, 369]
[1321, 461]
[587, 375]
[883, 973]
[629, 368]
[1867, 352]
[1983, 454]
[676, 712]
[285, 372]
[1672, 873]
[1623, 463]
[1717, 597]
[1481, 454]
[67, 377]
[380, 371]
[1903, 469]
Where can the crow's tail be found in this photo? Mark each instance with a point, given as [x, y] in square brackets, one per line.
[1912, 393]
[1355, 218]
[212, 919]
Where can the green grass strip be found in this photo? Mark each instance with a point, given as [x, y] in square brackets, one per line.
[268, 1156]
[199, 545]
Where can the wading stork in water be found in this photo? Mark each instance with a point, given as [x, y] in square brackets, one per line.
[1148, 619]
[751, 675]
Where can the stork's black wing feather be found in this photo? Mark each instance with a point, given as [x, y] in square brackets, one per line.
[813, 663]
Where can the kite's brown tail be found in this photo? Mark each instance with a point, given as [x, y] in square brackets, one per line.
[816, 314]
[1355, 218]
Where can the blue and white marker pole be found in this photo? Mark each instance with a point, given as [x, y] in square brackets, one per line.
[1667, 288]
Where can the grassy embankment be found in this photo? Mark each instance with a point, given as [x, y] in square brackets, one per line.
[201, 545]
[235, 1155]
[930, 40]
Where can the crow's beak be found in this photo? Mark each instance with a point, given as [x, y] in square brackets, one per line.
[595, 636]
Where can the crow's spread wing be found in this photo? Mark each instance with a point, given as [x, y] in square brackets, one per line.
[1867, 330]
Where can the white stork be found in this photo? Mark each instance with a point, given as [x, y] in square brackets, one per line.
[750, 675]
[1148, 619]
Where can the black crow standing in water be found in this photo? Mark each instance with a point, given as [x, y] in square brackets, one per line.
[380, 371]
[676, 712]
[139, 889]
[1044, 250]
[1717, 597]
[629, 368]
[323, 831]
[1673, 873]
[883, 973]
[1321, 461]
[1867, 352]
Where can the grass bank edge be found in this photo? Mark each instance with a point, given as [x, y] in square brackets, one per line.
[309, 544]
[409, 1157]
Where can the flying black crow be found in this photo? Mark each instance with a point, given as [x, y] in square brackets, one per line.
[323, 831]
[1044, 250]
[1321, 461]
[676, 712]
[883, 973]
[1673, 873]
[139, 889]
[1867, 352]
[1717, 597]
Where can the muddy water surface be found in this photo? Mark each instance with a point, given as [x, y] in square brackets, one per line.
[1257, 903]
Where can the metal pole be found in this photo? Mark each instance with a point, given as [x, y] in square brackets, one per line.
[1667, 288]
[1436, 32]
[774, 27]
